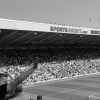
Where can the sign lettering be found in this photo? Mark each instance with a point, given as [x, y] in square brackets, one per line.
[58, 29]
[67, 30]
[95, 32]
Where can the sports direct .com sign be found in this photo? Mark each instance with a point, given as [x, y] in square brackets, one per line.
[44, 27]
[68, 30]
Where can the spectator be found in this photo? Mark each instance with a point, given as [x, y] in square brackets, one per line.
[39, 97]
[9, 90]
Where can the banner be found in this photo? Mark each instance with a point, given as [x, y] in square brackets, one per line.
[68, 30]
[43, 27]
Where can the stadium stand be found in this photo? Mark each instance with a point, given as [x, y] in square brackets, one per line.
[64, 52]
[59, 65]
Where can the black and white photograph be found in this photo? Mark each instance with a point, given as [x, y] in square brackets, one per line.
[49, 49]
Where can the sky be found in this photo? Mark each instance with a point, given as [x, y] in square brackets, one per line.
[85, 13]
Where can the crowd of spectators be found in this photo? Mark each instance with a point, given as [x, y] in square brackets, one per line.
[53, 64]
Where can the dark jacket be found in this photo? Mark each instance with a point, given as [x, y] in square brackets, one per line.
[3, 91]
